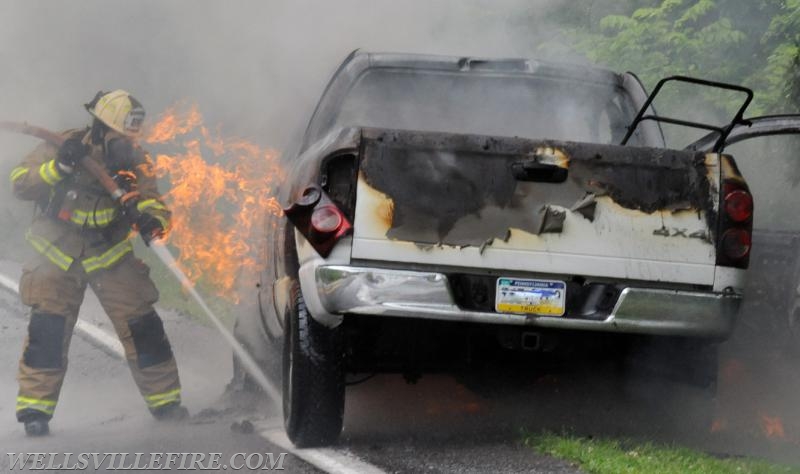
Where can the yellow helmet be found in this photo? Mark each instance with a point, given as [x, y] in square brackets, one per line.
[119, 110]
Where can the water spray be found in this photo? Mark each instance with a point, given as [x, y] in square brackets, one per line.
[249, 364]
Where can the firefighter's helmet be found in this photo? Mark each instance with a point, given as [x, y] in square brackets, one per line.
[119, 110]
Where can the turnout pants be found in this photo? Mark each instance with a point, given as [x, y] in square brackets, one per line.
[127, 295]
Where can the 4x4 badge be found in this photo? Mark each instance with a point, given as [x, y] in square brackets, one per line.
[678, 232]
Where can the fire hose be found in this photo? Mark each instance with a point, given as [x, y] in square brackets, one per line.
[53, 138]
[160, 249]
[94, 168]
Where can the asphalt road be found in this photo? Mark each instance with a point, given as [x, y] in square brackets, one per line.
[100, 409]
[436, 425]
[389, 424]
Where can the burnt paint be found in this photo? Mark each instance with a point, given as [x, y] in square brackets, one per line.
[461, 190]
[586, 207]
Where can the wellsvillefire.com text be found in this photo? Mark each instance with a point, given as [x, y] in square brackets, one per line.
[144, 461]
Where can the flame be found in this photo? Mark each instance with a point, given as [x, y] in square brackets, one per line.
[772, 427]
[719, 425]
[220, 190]
[744, 408]
[733, 371]
[459, 401]
[174, 122]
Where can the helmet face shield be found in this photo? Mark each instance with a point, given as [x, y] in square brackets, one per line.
[119, 111]
[133, 121]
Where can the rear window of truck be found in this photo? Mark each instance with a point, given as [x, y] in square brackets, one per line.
[491, 104]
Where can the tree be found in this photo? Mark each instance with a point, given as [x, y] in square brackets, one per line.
[793, 84]
[751, 42]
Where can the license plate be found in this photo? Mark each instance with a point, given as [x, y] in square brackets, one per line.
[522, 296]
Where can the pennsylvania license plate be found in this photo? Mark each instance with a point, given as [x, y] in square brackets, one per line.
[522, 296]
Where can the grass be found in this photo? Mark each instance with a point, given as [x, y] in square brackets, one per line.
[609, 456]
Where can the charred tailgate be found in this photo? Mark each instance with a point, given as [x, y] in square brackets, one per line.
[536, 206]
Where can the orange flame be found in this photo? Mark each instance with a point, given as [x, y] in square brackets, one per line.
[719, 425]
[460, 401]
[772, 427]
[733, 371]
[220, 190]
[174, 122]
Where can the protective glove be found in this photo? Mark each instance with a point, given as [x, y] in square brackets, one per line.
[126, 180]
[70, 152]
[149, 227]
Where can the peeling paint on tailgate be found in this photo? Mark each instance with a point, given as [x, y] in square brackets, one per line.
[424, 195]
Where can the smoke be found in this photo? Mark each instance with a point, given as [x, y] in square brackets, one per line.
[254, 67]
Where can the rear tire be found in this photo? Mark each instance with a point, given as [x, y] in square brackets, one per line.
[313, 377]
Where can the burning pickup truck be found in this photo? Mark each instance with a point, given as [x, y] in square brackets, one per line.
[440, 208]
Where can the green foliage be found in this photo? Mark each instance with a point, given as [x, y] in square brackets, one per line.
[613, 456]
[792, 92]
[751, 42]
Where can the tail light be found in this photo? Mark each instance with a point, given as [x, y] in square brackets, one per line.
[736, 225]
[736, 243]
[320, 221]
[739, 205]
[326, 220]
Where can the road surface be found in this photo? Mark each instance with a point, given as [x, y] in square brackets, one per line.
[436, 425]
[100, 409]
[390, 426]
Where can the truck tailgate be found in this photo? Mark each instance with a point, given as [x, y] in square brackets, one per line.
[545, 207]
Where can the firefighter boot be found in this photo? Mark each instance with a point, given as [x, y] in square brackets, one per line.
[36, 425]
[170, 412]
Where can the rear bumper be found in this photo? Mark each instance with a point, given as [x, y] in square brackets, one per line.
[398, 293]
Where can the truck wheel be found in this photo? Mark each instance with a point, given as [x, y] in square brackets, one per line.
[313, 377]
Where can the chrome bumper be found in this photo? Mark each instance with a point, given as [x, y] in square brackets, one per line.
[399, 293]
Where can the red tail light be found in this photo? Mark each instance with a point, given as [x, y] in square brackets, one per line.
[736, 243]
[319, 220]
[326, 219]
[735, 225]
[739, 205]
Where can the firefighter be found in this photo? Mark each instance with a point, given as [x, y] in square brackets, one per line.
[82, 236]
